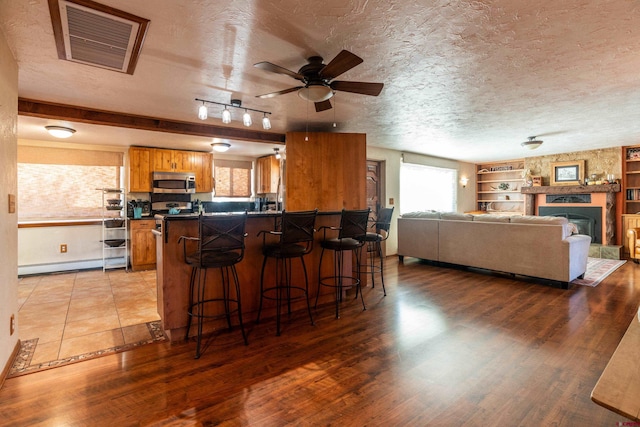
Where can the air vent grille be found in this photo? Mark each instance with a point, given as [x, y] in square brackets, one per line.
[94, 34]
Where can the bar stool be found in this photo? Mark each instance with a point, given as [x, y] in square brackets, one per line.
[374, 240]
[295, 240]
[353, 228]
[220, 245]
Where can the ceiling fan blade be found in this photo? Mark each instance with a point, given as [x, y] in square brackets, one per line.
[273, 68]
[323, 105]
[343, 62]
[362, 88]
[280, 92]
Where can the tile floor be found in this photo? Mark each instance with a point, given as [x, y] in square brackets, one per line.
[80, 312]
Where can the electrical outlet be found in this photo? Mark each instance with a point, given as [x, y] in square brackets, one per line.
[63, 248]
[12, 325]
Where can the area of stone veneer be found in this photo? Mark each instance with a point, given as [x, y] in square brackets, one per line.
[601, 162]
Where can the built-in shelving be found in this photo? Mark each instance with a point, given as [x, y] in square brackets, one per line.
[498, 187]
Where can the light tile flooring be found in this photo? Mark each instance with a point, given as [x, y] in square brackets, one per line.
[80, 312]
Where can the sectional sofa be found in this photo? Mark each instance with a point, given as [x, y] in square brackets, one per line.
[536, 246]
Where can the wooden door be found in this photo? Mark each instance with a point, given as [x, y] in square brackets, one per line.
[143, 245]
[204, 174]
[373, 187]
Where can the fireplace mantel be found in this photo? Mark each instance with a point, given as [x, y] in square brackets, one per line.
[610, 210]
[571, 189]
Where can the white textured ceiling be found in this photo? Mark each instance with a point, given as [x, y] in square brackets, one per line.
[467, 80]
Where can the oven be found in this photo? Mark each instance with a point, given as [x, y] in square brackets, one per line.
[174, 182]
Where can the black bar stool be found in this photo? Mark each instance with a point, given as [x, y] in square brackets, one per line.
[220, 244]
[374, 240]
[353, 228]
[295, 240]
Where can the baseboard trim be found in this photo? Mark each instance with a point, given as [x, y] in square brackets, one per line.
[10, 362]
[26, 270]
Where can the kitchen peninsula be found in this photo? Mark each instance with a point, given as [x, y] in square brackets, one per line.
[173, 273]
[325, 171]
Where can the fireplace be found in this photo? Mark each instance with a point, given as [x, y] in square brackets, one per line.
[588, 219]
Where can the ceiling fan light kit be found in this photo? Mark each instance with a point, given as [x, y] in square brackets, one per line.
[226, 114]
[315, 93]
[532, 143]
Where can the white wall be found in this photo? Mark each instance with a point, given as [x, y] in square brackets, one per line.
[392, 160]
[8, 186]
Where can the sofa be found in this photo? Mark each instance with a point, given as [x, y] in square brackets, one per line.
[537, 246]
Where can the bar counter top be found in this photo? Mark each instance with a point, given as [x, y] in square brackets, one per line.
[173, 273]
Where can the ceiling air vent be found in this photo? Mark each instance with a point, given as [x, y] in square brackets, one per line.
[98, 35]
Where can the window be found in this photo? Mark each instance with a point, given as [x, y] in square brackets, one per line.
[55, 183]
[425, 188]
[232, 178]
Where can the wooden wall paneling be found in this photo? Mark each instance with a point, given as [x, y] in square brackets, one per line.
[327, 172]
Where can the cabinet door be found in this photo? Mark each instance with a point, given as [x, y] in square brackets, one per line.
[267, 174]
[183, 161]
[204, 172]
[143, 245]
[162, 160]
[140, 169]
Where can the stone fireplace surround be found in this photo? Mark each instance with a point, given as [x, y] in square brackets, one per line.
[602, 196]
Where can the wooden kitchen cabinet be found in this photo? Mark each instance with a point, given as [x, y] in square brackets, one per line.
[173, 160]
[140, 169]
[203, 166]
[143, 244]
[267, 174]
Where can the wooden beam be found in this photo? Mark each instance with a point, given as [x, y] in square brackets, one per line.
[49, 110]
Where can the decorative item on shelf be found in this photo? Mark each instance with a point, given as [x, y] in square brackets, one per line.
[483, 170]
[567, 173]
[503, 186]
[526, 178]
[536, 181]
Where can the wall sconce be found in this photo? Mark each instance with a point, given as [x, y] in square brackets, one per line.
[464, 181]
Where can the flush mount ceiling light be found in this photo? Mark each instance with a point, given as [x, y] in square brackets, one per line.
[60, 131]
[315, 93]
[220, 147]
[226, 114]
[532, 143]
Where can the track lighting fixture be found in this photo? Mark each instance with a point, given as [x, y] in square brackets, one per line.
[226, 114]
[60, 131]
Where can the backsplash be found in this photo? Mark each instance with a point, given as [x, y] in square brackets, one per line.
[601, 162]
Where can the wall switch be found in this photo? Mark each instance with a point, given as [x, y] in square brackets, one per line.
[12, 203]
[63, 248]
[12, 324]
[391, 201]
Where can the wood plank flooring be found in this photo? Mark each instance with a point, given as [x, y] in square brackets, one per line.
[445, 347]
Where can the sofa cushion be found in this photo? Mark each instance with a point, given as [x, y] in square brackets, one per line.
[567, 229]
[491, 218]
[454, 216]
[422, 214]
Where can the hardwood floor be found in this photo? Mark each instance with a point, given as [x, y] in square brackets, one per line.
[445, 347]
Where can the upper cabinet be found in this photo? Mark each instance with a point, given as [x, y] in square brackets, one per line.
[140, 169]
[203, 166]
[498, 187]
[173, 160]
[267, 174]
[144, 161]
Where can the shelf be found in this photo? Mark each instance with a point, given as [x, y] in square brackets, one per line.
[493, 181]
[114, 256]
[505, 171]
[502, 201]
[499, 191]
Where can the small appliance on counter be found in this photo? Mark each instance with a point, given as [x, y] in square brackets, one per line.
[144, 207]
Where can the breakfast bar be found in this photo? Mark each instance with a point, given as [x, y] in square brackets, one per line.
[173, 273]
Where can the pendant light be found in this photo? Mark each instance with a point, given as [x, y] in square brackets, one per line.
[246, 118]
[203, 112]
[266, 123]
[226, 116]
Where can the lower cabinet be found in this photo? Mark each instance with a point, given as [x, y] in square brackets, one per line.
[143, 244]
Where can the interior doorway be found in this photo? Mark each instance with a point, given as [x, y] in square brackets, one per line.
[374, 186]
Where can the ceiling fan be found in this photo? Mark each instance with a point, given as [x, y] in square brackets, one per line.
[318, 85]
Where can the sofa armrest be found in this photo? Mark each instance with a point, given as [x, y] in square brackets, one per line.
[632, 238]
[578, 254]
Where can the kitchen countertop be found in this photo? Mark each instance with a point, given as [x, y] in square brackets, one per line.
[261, 214]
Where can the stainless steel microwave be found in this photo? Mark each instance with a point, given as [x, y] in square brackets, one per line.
[174, 182]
